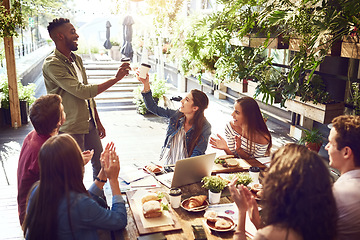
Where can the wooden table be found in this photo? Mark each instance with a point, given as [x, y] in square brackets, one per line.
[186, 219]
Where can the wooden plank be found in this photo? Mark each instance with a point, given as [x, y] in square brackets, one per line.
[13, 90]
[139, 224]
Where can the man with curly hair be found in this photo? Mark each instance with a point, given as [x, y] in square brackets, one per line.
[344, 155]
[64, 74]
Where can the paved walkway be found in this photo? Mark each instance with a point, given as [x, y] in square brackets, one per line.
[138, 140]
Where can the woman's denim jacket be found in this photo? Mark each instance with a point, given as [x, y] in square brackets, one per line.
[175, 125]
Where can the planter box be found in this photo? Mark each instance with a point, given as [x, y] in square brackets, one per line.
[115, 53]
[350, 48]
[294, 45]
[250, 41]
[24, 112]
[241, 87]
[322, 113]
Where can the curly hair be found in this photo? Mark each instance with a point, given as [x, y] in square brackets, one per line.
[298, 193]
[57, 22]
[348, 134]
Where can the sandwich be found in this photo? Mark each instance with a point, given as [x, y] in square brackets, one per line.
[150, 197]
[232, 162]
[152, 209]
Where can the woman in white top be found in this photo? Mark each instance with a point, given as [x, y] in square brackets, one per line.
[247, 134]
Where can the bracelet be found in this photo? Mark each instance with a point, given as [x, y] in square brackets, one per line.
[104, 181]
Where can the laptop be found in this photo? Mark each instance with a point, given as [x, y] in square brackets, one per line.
[188, 170]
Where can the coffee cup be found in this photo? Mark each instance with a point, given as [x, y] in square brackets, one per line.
[125, 60]
[175, 197]
[254, 173]
[144, 69]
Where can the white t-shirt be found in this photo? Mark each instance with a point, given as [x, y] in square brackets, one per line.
[347, 195]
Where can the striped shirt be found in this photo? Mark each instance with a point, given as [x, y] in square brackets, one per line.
[177, 148]
[259, 150]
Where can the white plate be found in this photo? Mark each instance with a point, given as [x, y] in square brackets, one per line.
[185, 206]
[211, 225]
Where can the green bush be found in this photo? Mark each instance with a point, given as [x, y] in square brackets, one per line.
[26, 93]
[158, 89]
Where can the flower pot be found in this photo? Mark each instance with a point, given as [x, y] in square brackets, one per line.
[214, 198]
[313, 146]
[24, 113]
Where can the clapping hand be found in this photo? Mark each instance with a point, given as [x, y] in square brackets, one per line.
[87, 155]
[110, 162]
[245, 201]
[218, 143]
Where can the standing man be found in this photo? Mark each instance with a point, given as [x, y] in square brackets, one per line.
[46, 115]
[344, 155]
[65, 75]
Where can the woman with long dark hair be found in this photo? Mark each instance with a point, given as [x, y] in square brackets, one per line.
[298, 203]
[59, 206]
[247, 134]
[188, 131]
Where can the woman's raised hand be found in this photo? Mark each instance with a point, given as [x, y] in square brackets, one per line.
[144, 81]
[110, 162]
[218, 143]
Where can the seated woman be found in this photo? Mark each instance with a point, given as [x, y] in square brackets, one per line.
[188, 131]
[298, 201]
[59, 206]
[247, 135]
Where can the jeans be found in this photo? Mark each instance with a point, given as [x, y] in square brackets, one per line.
[91, 141]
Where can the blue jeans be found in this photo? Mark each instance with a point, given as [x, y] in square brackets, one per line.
[91, 141]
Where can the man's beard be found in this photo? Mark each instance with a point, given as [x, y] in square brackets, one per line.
[71, 45]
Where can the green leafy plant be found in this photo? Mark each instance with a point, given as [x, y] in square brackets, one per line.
[311, 136]
[26, 93]
[214, 183]
[158, 88]
[243, 178]
[10, 20]
[354, 98]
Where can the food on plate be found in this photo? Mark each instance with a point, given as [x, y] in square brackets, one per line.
[222, 224]
[153, 168]
[223, 157]
[211, 216]
[150, 197]
[196, 201]
[232, 162]
[152, 209]
[227, 161]
[257, 189]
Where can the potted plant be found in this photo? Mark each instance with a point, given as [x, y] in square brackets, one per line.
[243, 178]
[312, 139]
[215, 185]
[158, 89]
[26, 97]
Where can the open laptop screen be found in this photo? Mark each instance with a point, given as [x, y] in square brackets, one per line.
[189, 170]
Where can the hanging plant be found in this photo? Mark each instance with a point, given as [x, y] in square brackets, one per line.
[10, 20]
